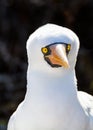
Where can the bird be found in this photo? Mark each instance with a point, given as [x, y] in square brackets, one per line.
[52, 100]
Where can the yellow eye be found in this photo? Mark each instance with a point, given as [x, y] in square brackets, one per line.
[68, 48]
[44, 50]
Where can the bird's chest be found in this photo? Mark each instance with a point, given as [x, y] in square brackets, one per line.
[49, 122]
[48, 113]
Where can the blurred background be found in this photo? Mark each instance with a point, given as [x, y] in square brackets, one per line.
[18, 19]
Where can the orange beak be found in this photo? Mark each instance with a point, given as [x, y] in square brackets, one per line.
[58, 55]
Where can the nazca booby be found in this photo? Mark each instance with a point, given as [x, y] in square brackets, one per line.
[52, 101]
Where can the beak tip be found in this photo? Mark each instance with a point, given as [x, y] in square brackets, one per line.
[66, 65]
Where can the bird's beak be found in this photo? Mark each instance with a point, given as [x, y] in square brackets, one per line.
[58, 55]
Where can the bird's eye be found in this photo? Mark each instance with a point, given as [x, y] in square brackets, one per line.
[68, 47]
[45, 50]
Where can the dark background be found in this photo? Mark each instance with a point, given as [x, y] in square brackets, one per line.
[18, 19]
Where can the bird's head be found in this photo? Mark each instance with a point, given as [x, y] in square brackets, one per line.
[52, 48]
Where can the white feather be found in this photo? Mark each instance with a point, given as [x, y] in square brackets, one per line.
[52, 101]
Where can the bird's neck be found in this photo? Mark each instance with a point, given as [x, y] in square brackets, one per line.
[39, 84]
